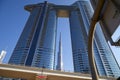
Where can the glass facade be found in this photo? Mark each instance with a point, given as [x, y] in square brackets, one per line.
[104, 58]
[44, 53]
[36, 45]
[79, 45]
[59, 65]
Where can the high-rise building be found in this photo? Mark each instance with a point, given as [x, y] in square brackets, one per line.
[79, 25]
[36, 45]
[2, 55]
[59, 56]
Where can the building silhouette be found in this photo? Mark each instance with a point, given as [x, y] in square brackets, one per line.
[36, 45]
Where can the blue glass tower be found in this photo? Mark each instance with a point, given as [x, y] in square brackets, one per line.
[79, 25]
[36, 45]
[59, 56]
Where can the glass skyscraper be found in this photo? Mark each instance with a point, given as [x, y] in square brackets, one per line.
[59, 65]
[79, 26]
[36, 45]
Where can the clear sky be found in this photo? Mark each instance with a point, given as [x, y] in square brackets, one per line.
[13, 18]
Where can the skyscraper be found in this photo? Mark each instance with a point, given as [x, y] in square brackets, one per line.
[79, 25]
[2, 55]
[36, 45]
[59, 56]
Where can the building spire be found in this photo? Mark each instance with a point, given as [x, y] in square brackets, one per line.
[59, 57]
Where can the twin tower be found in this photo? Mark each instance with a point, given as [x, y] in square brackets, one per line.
[36, 45]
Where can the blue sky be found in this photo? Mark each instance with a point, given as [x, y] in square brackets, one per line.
[13, 18]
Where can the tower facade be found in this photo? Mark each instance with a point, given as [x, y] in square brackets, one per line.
[79, 26]
[36, 45]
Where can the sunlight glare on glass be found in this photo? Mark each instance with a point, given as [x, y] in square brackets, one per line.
[116, 34]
